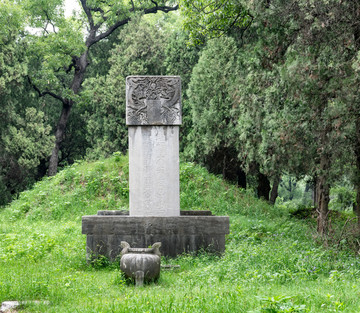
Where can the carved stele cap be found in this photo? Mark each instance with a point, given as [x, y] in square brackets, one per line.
[153, 100]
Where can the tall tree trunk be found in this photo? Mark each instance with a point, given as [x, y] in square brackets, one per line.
[357, 179]
[357, 206]
[59, 137]
[357, 131]
[241, 175]
[274, 190]
[263, 183]
[80, 65]
[263, 188]
[324, 167]
[323, 196]
[314, 191]
[224, 174]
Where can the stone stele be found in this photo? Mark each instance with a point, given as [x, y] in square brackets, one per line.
[153, 115]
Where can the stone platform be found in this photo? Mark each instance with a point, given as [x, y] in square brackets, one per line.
[190, 232]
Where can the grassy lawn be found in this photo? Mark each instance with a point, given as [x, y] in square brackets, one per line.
[271, 264]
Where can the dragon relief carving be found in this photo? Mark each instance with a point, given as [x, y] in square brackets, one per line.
[153, 100]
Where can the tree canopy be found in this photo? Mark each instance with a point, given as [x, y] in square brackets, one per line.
[270, 88]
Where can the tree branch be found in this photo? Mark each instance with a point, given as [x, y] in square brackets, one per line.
[154, 2]
[45, 28]
[47, 92]
[49, 22]
[217, 7]
[164, 9]
[88, 13]
[73, 64]
[102, 15]
[92, 40]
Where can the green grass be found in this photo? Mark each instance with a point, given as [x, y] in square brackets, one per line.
[271, 264]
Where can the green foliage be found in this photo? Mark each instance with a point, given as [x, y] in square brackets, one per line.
[207, 18]
[21, 246]
[208, 93]
[28, 140]
[41, 11]
[289, 108]
[213, 136]
[198, 187]
[100, 262]
[295, 191]
[342, 197]
[12, 67]
[280, 304]
[11, 19]
[51, 53]
[57, 42]
[302, 212]
[140, 50]
[180, 59]
[58, 54]
[24, 143]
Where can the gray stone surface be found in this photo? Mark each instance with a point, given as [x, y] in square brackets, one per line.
[177, 234]
[195, 213]
[112, 212]
[182, 212]
[7, 306]
[141, 264]
[154, 171]
[153, 100]
[10, 306]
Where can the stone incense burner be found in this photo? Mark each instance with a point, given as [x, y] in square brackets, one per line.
[141, 264]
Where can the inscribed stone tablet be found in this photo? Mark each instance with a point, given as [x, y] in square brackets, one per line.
[154, 171]
[153, 100]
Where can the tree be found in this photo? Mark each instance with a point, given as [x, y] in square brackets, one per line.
[255, 144]
[302, 63]
[24, 132]
[297, 60]
[212, 137]
[59, 55]
[354, 27]
[24, 143]
[317, 72]
[309, 48]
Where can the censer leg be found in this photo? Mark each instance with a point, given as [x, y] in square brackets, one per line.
[139, 278]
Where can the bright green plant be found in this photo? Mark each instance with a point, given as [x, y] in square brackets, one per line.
[342, 198]
[280, 304]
